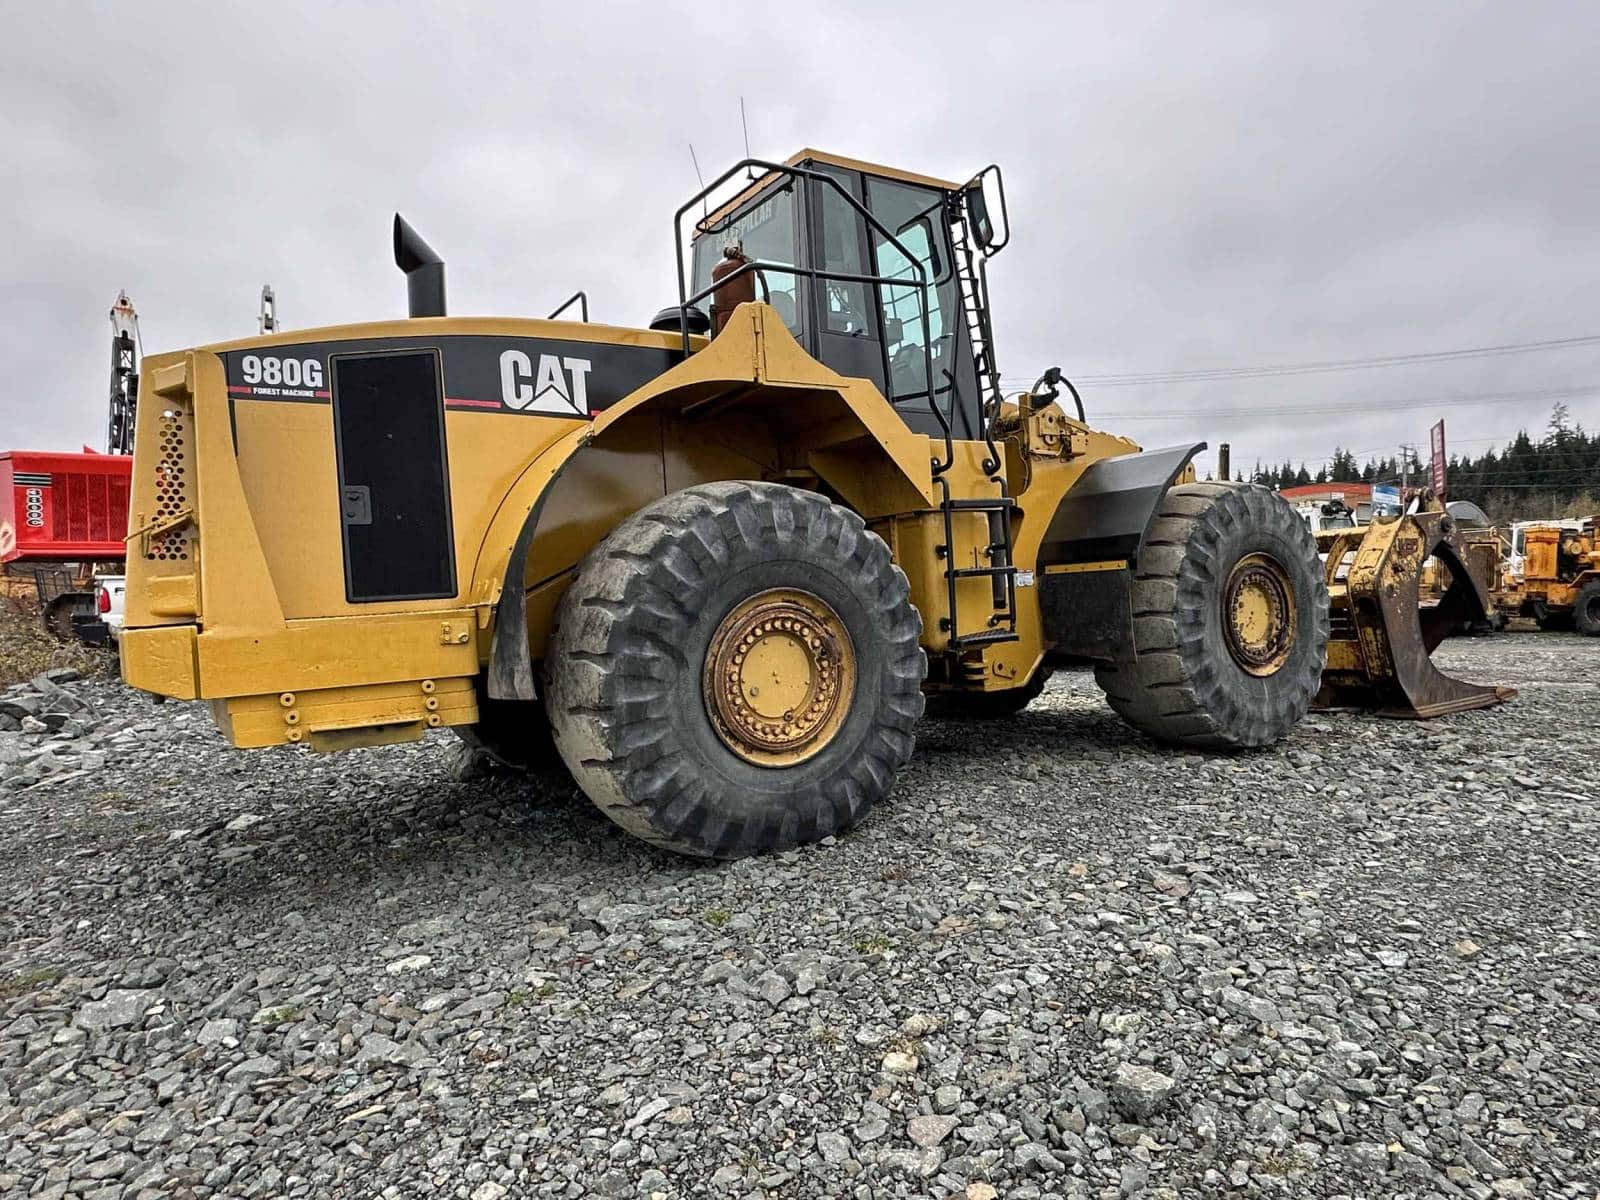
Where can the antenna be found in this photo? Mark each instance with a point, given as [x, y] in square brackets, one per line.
[705, 211]
[745, 125]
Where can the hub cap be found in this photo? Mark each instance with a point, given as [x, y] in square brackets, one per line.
[1258, 614]
[779, 677]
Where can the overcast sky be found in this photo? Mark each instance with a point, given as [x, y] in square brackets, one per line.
[1192, 186]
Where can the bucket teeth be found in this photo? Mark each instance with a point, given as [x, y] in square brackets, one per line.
[1379, 654]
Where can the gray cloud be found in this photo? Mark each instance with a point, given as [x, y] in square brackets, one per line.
[1191, 187]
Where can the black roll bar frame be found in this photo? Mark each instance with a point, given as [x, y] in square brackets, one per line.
[813, 273]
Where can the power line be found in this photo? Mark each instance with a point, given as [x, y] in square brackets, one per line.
[1331, 408]
[1205, 374]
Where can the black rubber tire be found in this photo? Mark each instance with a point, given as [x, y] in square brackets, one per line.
[623, 672]
[57, 615]
[988, 706]
[1586, 609]
[1551, 620]
[1184, 686]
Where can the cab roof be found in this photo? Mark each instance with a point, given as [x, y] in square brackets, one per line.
[828, 159]
[856, 164]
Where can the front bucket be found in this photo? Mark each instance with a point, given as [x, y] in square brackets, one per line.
[1381, 640]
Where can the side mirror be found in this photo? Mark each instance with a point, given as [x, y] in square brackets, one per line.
[985, 197]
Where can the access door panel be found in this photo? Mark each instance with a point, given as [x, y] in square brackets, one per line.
[394, 496]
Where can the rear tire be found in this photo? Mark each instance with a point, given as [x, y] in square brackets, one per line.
[722, 574]
[1586, 609]
[1192, 681]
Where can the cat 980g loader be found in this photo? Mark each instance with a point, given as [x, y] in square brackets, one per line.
[717, 564]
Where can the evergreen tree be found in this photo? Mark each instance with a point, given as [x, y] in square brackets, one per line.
[1555, 475]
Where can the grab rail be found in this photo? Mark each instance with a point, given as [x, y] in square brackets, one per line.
[814, 273]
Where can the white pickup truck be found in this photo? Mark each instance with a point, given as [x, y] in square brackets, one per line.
[108, 598]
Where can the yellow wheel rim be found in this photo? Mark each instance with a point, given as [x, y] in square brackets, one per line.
[779, 677]
[1258, 614]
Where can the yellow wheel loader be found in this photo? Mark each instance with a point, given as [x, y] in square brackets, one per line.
[714, 565]
[1558, 584]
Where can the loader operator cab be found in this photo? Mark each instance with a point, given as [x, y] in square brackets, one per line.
[876, 272]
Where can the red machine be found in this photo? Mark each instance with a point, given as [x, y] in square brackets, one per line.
[63, 507]
[60, 509]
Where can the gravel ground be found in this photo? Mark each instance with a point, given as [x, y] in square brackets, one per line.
[1061, 962]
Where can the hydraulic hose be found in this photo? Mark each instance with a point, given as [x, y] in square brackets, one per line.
[1052, 379]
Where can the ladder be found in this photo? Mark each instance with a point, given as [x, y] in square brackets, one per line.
[1001, 626]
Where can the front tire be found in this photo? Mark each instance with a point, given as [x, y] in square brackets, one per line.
[1230, 621]
[675, 624]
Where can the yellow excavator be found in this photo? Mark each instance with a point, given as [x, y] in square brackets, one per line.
[713, 566]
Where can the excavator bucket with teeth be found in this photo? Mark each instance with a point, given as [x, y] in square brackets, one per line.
[1382, 640]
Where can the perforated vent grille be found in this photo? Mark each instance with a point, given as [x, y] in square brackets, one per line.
[172, 488]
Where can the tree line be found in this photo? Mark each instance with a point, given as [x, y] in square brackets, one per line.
[1557, 475]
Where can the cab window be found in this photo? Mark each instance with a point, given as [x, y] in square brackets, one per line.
[844, 307]
[766, 227]
[913, 214]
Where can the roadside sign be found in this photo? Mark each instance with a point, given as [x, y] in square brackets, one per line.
[1385, 500]
[1436, 437]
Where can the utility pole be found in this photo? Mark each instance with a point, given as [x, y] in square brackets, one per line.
[1408, 451]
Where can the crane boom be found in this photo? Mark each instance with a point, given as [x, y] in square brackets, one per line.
[124, 376]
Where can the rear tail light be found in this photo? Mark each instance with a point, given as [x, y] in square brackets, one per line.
[102, 600]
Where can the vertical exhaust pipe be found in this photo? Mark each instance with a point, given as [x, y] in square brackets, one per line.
[1224, 463]
[424, 270]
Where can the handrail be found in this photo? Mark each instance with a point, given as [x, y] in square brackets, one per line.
[581, 298]
[813, 273]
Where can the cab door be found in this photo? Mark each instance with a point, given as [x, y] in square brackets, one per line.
[847, 324]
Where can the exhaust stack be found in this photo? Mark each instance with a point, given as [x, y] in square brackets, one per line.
[424, 270]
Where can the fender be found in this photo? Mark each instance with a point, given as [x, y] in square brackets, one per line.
[839, 428]
[1093, 539]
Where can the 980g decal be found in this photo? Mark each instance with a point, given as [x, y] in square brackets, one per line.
[482, 373]
[272, 371]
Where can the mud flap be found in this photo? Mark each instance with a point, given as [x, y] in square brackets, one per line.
[1086, 557]
[510, 675]
[1381, 642]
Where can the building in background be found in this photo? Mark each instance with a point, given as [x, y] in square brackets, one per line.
[1357, 497]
